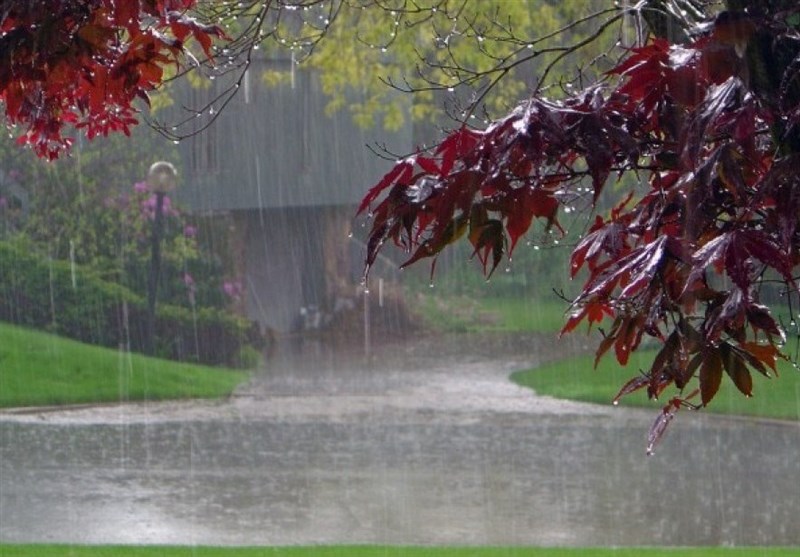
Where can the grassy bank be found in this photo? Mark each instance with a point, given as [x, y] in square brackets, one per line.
[379, 551]
[576, 379]
[464, 314]
[39, 369]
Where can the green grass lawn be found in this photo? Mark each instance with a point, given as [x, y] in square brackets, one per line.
[39, 369]
[380, 551]
[490, 314]
[576, 379]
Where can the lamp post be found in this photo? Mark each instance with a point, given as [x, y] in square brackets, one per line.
[161, 178]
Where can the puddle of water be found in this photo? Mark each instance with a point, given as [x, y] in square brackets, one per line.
[563, 480]
[443, 452]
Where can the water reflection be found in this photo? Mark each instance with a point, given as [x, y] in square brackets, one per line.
[397, 451]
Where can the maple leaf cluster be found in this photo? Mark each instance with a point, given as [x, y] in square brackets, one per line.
[83, 63]
[710, 129]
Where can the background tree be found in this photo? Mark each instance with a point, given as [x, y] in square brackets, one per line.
[96, 66]
[451, 56]
[709, 128]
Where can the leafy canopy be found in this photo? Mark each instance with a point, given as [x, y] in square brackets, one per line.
[92, 64]
[452, 47]
[709, 130]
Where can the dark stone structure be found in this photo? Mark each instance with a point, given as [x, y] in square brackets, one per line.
[287, 177]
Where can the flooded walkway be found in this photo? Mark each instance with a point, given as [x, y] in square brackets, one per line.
[426, 442]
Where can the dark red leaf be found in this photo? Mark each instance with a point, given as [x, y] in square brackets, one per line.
[729, 170]
[428, 165]
[710, 375]
[718, 99]
[691, 369]
[605, 344]
[729, 315]
[593, 310]
[659, 427]
[767, 354]
[736, 369]
[524, 204]
[759, 245]
[400, 173]
[456, 146]
[637, 383]
[626, 339]
[632, 272]
[759, 317]
[488, 239]
[455, 229]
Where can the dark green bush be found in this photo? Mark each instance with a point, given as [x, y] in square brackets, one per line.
[71, 301]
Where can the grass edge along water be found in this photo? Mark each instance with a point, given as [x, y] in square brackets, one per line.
[41, 369]
[577, 379]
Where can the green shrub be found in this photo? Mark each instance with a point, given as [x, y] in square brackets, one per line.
[69, 300]
[248, 357]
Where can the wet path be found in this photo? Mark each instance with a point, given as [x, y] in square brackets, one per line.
[428, 443]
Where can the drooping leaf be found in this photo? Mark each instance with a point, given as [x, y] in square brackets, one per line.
[488, 239]
[636, 383]
[736, 369]
[759, 318]
[632, 272]
[594, 311]
[432, 247]
[659, 426]
[606, 239]
[719, 99]
[525, 204]
[400, 173]
[766, 354]
[710, 375]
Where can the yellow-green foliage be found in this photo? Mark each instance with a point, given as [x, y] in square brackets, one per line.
[392, 45]
[413, 46]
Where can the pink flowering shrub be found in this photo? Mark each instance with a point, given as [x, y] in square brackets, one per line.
[189, 275]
